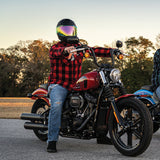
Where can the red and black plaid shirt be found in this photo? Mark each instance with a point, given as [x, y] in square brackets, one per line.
[66, 72]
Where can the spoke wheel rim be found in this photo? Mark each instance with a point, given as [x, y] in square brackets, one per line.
[131, 136]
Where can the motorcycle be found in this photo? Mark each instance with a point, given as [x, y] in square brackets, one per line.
[91, 110]
[147, 95]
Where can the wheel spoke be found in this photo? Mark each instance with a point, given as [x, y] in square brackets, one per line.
[137, 134]
[137, 121]
[120, 133]
[129, 138]
[129, 132]
[130, 113]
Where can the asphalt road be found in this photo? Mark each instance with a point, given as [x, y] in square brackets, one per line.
[16, 143]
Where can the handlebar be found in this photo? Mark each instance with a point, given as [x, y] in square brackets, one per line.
[78, 49]
[83, 48]
[91, 51]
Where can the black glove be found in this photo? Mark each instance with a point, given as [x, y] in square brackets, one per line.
[116, 52]
[65, 53]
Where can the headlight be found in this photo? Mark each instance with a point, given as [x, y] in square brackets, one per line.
[115, 75]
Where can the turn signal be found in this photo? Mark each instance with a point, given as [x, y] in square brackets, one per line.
[120, 56]
[87, 55]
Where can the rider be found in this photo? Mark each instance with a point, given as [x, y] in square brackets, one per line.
[65, 71]
[156, 73]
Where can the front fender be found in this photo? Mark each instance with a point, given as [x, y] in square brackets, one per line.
[124, 96]
[117, 100]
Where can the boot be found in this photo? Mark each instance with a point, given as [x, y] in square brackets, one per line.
[104, 140]
[51, 147]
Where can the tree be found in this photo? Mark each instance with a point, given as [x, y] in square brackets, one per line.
[158, 41]
[138, 68]
[37, 66]
[10, 67]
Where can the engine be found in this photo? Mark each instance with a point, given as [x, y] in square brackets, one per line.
[76, 101]
[75, 110]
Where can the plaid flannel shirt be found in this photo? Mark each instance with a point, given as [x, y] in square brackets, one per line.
[156, 70]
[66, 72]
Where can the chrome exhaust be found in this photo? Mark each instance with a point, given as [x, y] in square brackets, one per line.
[31, 125]
[31, 116]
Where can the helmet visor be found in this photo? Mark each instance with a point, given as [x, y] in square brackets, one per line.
[67, 30]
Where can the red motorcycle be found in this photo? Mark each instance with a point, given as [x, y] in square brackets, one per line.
[91, 110]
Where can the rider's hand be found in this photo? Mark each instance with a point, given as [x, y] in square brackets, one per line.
[70, 52]
[116, 52]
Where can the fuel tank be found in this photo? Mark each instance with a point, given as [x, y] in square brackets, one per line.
[88, 81]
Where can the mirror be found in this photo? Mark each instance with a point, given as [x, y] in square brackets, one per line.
[119, 44]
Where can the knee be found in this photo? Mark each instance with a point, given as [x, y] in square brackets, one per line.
[56, 106]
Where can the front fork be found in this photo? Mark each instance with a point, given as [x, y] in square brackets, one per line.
[116, 112]
[109, 95]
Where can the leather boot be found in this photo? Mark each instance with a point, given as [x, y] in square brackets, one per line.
[51, 147]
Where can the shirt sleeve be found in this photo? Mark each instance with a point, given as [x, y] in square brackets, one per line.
[102, 52]
[156, 70]
[56, 51]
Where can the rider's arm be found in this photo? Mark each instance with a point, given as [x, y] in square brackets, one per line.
[59, 50]
[156, 70]
[102, 52]
[56, 50]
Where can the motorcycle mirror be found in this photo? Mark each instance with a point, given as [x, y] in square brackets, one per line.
[119, 44]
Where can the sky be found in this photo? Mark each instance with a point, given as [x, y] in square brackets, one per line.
[98, 21]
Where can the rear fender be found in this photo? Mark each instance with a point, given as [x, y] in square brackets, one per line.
[40, 93]
[143, 94]
[146, 99]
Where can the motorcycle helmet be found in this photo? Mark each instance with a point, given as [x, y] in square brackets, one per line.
[67, 31]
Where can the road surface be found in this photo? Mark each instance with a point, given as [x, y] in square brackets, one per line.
[16, 143]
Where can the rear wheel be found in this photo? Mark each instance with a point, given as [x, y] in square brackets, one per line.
[39, 107]
[135, 138]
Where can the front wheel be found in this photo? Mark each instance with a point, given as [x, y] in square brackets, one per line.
[135, 138]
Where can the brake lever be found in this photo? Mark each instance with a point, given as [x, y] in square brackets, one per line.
[125, 54]
[121, 53]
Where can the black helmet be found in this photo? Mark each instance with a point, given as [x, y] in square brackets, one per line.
[67, 31]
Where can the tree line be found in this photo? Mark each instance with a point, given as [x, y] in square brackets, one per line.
[26, 65]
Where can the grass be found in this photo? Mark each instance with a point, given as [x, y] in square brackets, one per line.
[12, 107]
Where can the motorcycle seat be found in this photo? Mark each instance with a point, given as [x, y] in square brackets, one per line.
[148, 87]
[44, 86]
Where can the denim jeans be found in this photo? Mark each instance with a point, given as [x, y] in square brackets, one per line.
[57, 95]
[158, 92]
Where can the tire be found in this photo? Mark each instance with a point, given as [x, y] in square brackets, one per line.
[39, 107]
[149, 104]
[135, 139]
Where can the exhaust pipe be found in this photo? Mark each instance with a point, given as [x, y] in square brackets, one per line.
[30, 125]
[31, 116]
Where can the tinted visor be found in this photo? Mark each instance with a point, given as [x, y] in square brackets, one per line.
[67, 30]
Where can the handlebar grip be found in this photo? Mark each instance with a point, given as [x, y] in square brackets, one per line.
[78, 49]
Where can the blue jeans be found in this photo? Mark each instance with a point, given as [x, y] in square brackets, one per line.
[57, 95]
[158, 93]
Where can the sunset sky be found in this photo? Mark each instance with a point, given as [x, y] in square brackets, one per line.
[98, 21]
